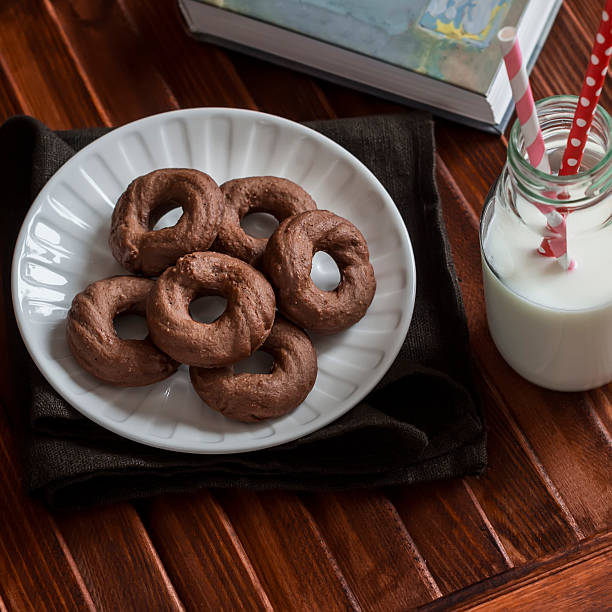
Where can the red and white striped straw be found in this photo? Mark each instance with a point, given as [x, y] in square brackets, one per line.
[555, 246]
[523, 99]
[589, 95]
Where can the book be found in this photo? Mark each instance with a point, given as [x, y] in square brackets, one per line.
[441, 55]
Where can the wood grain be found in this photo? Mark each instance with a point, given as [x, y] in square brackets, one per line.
[9, 104]
[443, 517]
[37, 572]
[105, 43]
[287, 551]
[203, 555]
[379, 560]
[198, 74]
[578, 579]
[38, 64]
[528, 515]
[546, 77]
[602, 410]
[353, 103]
[473, 159]
[111, 541]
[281, 91]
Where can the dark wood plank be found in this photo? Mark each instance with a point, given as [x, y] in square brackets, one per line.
[573, 450]
[287, 551]
[577, 579]
[452, 532]
[474, 159]
[572, 23]
[203, 555]
[48, 83]
[578, 22]
[114, 57]
[198, 74]
[352, 103]
[282, 91]
[111, 548]
[9, 104]
[378, 558]
[37, 571]
[562, 440]
[529, 516]
[602, 410]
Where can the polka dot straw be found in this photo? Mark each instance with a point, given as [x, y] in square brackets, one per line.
[556, 245]
[589, 95]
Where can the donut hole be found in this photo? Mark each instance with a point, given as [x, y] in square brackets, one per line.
[259, 362]
[207, 308]
[165, 215]
[259, 224]
[129, 326]
[324, 272]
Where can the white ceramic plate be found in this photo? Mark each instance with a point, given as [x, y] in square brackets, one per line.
[62, 247]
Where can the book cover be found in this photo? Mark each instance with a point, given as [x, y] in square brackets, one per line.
[449, 40]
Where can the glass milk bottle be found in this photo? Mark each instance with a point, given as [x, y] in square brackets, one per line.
[552, 325]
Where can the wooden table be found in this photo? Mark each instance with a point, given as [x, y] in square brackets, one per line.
[533, 532]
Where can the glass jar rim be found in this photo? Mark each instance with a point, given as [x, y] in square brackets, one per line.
[515, 133]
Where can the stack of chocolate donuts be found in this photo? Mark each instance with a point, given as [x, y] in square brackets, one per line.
[207, 252]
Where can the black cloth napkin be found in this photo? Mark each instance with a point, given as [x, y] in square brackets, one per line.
[421, 423]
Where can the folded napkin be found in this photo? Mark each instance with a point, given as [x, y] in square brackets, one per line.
[421, 423]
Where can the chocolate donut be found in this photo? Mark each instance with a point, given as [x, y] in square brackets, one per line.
[288, 260]
[142, 250]
[277, 196]
[253, 397]
[239, 331]
[95, 344]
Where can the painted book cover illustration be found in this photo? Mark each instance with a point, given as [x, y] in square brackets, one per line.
[449, 40]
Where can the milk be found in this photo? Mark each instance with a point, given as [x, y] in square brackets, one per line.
[554, 327]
